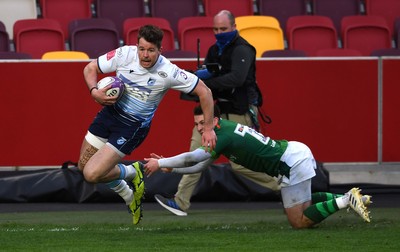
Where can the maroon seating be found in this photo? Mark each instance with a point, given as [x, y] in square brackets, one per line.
[131, 28]
[119, 10]
[338, 52]
[336, 10]
[283, 53]
[64, 11]
[282, 9]
[173, 10]
[37, 36]
[179, 54]
[15, 55]
[311, 33]
[4, 38]
[237, 7]
[386, 52]
[94, 36]
[365, 33]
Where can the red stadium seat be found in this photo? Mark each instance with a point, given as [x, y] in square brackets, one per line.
[65, 11]
[365, 33]
[388, 9]
[311, 33]
[190, 29]
[132, 25]
[37, 36]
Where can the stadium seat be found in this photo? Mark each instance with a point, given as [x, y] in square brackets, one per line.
[37, 36]
[237, 7]
[4, 38]
[67, 55]
[365, 33]
[263, 32]
[65, 11]
[131, 28]
[119, 10]
[283, 53]
[13, 10]
[190, 29]
[386, 52]
[336, 10]
[396, 35]
[15, 55]
[338, 52]
[388, 9]
[311, 33]
[282, 10]
[173, 10]
[94, 36]
[179, 54]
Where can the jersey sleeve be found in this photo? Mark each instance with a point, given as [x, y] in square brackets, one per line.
[110, 61]
[182, 80]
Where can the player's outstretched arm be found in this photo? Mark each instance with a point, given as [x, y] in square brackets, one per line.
[196, 158]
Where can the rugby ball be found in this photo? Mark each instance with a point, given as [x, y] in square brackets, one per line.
[117, 86]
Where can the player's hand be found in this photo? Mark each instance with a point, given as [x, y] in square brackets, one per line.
[151, 166]
[99, 95]
[209, 140]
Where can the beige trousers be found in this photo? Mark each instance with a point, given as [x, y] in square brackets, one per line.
[189, 181]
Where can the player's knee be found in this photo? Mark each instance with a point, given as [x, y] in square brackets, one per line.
[91, 176]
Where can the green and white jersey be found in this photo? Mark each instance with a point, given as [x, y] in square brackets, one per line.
[245, 146]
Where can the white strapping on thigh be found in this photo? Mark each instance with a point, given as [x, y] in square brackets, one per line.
[95, 141]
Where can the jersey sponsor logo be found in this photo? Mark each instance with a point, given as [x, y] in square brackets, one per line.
[163, 74]
[111, 54]
[121, 141]
[139, 92]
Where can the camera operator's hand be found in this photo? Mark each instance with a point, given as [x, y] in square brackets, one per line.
[203, 74]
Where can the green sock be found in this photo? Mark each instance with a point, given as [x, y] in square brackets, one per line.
[320, 211]
[323, 196]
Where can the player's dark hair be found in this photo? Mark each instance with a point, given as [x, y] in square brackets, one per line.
[198, 111]
[152, 34]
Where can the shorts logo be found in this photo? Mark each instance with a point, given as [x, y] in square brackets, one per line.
[121, 141]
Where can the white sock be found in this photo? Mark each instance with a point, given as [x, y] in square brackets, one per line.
[127, 171]
[124, 191]
[342, 202]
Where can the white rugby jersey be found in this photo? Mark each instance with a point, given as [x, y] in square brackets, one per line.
[144, 88]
